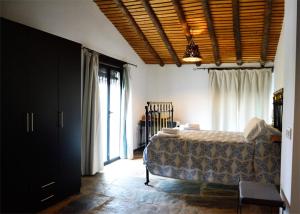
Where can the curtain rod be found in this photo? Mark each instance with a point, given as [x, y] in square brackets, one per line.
[240, 68]
[131, 64]
[111, 57]
[230, 68]
[103, 63]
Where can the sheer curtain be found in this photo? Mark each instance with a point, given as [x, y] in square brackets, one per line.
[238, 95]
[255, 95]
[126, 115]
[224, 87]
[91, 159]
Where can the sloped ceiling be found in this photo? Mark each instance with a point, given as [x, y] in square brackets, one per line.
[226, 31]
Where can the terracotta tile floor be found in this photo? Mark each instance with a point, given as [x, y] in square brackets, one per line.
[120, 189]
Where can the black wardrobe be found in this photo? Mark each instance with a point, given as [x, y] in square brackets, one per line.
[40, 118]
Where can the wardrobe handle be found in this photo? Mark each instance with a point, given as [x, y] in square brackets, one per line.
[47, 198]
[61, 119]
[32, 121]
[49, 184]
[27, 122]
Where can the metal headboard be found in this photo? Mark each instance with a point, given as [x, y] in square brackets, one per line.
[277, 109]
[158, 115]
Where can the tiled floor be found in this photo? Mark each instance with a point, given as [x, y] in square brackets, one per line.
[121, 189]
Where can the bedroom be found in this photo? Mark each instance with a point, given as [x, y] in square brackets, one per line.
[83, 22]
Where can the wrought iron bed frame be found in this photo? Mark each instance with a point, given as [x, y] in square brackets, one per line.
[158, 115]
[277, 109]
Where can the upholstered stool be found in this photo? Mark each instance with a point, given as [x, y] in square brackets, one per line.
[258, 194]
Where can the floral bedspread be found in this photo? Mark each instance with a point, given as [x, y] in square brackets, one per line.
[213, 156]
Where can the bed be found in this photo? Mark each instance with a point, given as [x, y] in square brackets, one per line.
[213, 156]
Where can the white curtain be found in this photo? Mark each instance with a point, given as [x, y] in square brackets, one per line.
[91, 159]
[224, 93]
[238, 95]
[126, 115]
[255, 95]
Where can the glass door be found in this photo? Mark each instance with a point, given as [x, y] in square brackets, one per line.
[110, 106]
[114, 114]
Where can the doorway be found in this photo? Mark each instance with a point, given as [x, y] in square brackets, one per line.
[110, 108]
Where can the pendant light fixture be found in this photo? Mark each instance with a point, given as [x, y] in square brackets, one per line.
[192, 53]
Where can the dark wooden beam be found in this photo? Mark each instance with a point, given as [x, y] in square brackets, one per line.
[182, 20]
[137, 29]
[236, 30]
[211, 31]
[267, 22]
[161, 32]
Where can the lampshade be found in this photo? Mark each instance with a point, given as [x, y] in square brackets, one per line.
[192, 53]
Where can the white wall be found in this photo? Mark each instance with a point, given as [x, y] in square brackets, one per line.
[82, 22]
[279, 63]
[286, 66]
[185, 87]
[289, 59]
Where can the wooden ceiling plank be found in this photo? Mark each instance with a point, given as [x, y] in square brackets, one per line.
[236, 30]
[137, 29]
[251, 18]
[161, 32]
[267, 23]
[207, 14]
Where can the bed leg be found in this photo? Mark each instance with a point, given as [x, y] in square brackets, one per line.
[147, 177]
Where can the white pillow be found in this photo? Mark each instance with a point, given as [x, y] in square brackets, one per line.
[254, 128]
[267, 134]
[273, 131]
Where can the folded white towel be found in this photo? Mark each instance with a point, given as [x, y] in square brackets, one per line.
[193, 125]
[162, 134]
[170, 131]
[194, 129]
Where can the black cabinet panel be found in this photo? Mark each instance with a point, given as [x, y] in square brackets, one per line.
[15, 143]
[40, 118]
[44, 107]
[70, 110]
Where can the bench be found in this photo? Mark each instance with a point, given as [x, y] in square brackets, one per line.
[258, 194]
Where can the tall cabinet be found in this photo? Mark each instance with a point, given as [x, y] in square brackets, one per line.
[40, 118]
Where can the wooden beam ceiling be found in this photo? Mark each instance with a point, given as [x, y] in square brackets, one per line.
[227, 31]
[126, 13]
[182, 20]
[211, 31]
[267, 21]
[161, 31]
[236, 29]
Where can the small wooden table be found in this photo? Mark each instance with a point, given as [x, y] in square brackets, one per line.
[259, 194]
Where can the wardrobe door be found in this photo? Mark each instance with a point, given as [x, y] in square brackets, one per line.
[44, 117]
[15, 128]
[70, 117]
